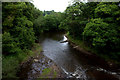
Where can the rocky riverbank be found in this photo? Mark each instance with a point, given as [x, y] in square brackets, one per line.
[39, 66]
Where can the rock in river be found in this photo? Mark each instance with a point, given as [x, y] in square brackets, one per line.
[36, 60]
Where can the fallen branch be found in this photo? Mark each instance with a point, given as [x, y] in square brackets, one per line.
[64, 41]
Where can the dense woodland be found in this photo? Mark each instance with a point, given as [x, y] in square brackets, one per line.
[95, 24]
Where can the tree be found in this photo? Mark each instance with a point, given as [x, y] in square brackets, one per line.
[17, 26]
[96, 24]
[9, 44]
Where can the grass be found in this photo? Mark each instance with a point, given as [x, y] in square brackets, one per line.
[11, 63]
[9, 67]
[37, 48]
[55, 74]
[48, 73]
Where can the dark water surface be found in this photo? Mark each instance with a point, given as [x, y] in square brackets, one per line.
[74, 63]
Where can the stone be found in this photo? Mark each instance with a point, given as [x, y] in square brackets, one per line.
[36, 60]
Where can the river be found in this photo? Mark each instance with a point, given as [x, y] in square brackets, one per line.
[74, 63]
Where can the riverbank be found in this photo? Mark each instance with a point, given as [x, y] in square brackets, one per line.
[39, 66]
[11, 63]
[17, 65]
[92, 55]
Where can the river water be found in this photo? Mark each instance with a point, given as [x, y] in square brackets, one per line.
[74, 63]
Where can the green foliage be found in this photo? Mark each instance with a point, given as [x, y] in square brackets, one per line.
[39, 25]
[96, 24]
[48, 73]
[11, 63]
[9, 67]
[18, 35]
[94, 32]
[17, 28]
[64, 25]
[9, 44]
[77, 16]
[24, 33]
[106, 10]
[50, 21]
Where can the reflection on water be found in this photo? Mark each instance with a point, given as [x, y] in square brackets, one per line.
[66, 57]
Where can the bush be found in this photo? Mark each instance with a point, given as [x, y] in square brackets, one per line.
[9, 67]
[100, 35]
[9, 44]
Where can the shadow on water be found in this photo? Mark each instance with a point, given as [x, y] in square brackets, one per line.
[74, 63]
